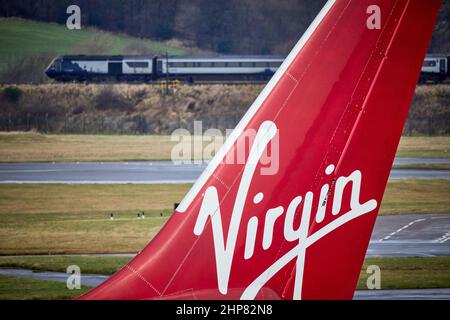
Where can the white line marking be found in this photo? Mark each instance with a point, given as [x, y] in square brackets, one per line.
[401, 229]
[444, 238]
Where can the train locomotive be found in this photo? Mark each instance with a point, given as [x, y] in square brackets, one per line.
[435, 68]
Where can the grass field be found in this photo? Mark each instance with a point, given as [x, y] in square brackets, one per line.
[416, 196]
[14, 288]
[34, 147]
[60, 219]
[19, 37]
[396, 273]
[424, 147]
[88, 264]
[409, 272]
[75, 218]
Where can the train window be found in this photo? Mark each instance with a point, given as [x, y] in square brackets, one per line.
[429, 63]
[220, 64]
[176, 64]
[233, 64]
[137, 64]
[247, 64]
[442, 67]
[207, 64]
[260, 64]
[275, 64]
[189, 64]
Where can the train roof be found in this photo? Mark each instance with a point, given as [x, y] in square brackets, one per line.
[105, 57]
[437, 55]
[227, 58]
[172, 58]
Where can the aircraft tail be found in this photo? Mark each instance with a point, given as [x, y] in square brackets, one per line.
[287, 207]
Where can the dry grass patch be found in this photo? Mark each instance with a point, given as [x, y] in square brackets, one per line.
[35, 147]
[51, 219]
[25, 199]
[424, 147]
[416, 196]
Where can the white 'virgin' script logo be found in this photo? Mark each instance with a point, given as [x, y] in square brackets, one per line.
[225, 248]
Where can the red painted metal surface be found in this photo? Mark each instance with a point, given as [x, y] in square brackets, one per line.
[337, 108]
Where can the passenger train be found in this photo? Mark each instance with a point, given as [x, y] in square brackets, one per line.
[192, 69]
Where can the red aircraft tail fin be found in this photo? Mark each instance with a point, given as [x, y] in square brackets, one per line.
[293, 219]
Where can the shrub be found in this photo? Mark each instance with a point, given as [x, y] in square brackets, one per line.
[26, 69]
[12, 94]
[109, 99]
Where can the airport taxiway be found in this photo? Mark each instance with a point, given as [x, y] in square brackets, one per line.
[157, 172]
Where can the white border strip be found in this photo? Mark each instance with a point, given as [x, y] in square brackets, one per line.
[184, 205]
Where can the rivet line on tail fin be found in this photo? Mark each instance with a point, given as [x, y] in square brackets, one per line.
[140, 276]
[221, 181]
[359, 84]
[292, 77]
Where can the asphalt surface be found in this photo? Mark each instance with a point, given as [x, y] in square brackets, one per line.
[411, 235]
[151, 172]
[406, 294]
[90, 280]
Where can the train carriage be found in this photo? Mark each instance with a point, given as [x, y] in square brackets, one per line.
[231, 68]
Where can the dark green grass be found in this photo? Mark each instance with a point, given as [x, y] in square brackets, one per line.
[15, 288]
[23, 38]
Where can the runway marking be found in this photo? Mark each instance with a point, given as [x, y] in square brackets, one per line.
[444, 238]
[401, 229]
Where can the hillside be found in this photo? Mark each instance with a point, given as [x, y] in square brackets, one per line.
[27, 46]
[27, 37]
[225, 26]
[146, 109]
